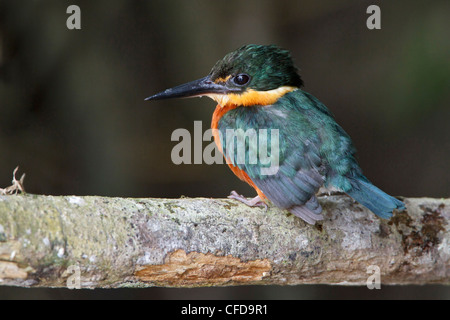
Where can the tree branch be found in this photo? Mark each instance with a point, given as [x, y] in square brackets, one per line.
[99, 242]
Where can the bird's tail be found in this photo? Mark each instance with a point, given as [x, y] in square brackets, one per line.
[373, 198]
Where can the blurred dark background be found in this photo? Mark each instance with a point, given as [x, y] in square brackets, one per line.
[73, 116]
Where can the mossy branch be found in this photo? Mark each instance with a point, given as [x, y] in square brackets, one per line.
[100, 242]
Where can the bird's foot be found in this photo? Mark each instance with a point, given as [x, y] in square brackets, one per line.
[254, 202]
[329, 192]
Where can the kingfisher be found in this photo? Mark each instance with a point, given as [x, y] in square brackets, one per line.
[258, 87]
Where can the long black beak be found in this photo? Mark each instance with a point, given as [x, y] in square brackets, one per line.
[192, 89]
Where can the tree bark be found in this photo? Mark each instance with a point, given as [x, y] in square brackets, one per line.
[100, 242]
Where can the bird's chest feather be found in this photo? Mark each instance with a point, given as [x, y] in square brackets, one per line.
[250, 138]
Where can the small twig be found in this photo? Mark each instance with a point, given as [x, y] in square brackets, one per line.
[17, 185]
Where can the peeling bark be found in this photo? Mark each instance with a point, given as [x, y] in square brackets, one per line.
[196, 268]
[121, 242]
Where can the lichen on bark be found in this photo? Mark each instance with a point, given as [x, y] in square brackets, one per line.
[125, 242]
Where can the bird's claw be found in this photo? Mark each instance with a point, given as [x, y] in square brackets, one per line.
[329, 192]
[254, 202]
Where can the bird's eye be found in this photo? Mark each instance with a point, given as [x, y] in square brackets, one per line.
[241, 79]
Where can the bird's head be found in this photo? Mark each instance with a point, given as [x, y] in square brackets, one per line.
[251, 75]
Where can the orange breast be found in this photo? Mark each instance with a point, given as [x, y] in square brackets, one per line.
[230, 101]
[218, 114]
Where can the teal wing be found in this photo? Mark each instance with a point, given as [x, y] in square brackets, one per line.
[295, 167]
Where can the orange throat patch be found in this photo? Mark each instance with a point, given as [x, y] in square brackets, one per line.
[227, 102]
[251, 97]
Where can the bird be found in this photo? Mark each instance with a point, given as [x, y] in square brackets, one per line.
[258, 87]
